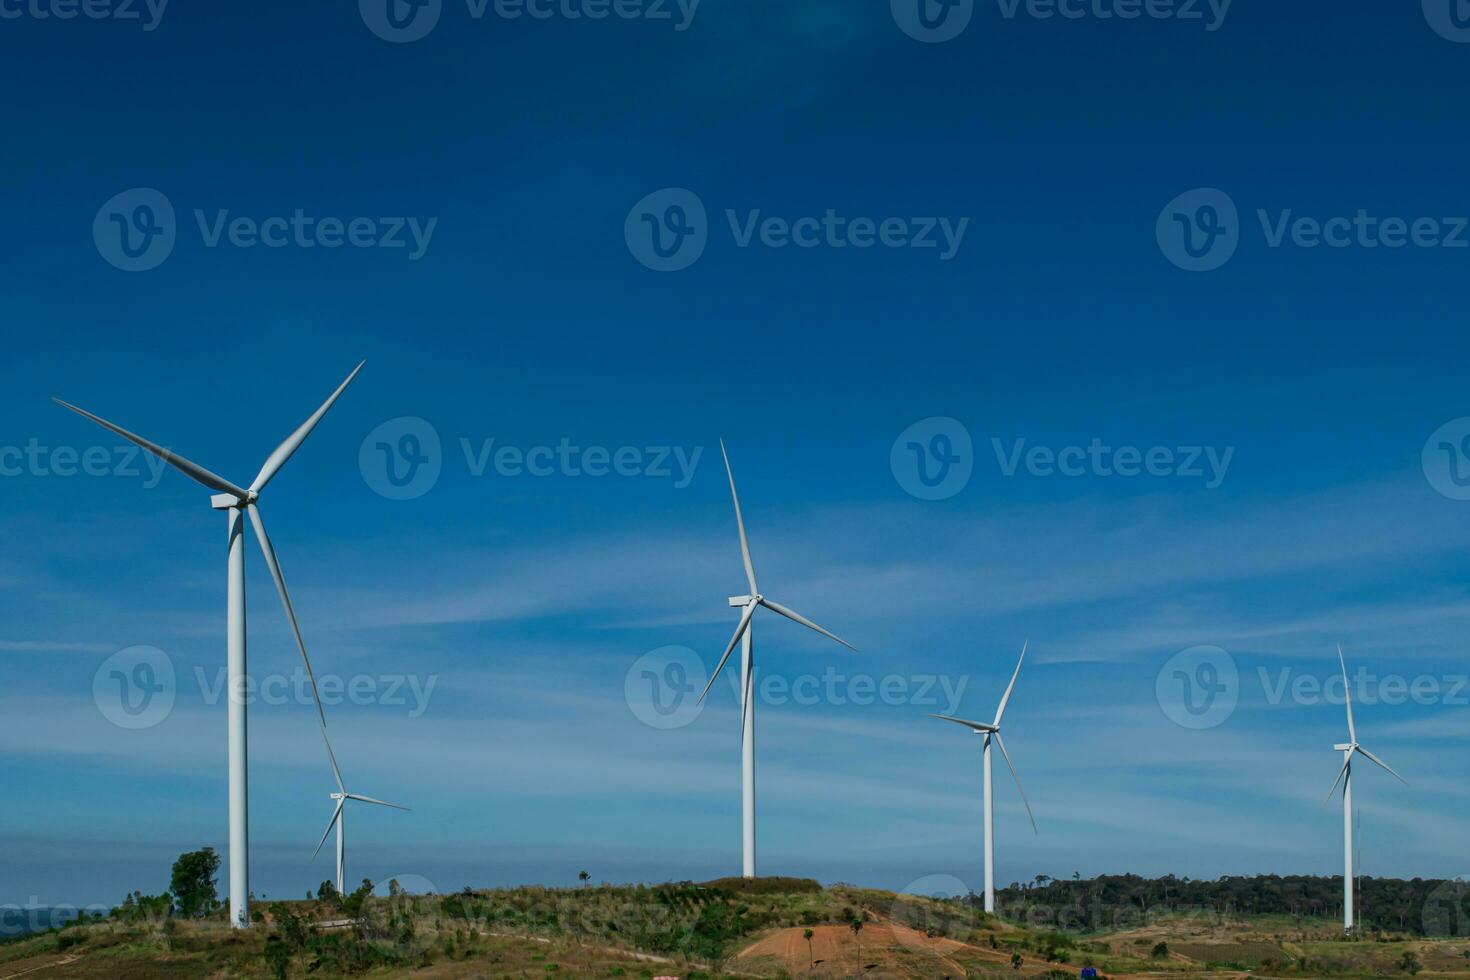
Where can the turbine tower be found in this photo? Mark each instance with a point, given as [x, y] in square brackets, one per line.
[1345, 776]
[240, 503]
[991, 732]
[342, 796]
[748, 605]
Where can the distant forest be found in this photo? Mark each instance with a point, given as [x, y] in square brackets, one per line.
[1418, 907]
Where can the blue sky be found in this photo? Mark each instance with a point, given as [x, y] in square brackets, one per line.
[528, 319]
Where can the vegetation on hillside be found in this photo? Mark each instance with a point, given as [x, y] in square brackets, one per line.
[1110, 902]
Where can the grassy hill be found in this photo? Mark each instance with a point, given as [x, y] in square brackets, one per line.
[730, 927]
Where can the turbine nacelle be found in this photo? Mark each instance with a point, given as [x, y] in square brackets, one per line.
[228, 501]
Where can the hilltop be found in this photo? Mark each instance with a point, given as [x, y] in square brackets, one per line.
[729, 927]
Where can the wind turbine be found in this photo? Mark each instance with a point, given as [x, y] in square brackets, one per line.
[342, 796]
[240, 503]
[749, 603]
[1345, 776]
[991, 732]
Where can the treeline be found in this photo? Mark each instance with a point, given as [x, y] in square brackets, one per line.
[1418, 906]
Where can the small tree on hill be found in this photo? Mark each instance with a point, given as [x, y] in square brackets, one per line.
[193, 883]
[1161, 951]
[811, 962]
[1410, 964]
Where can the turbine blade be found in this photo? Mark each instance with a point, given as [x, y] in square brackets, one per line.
[1347, 696]
[745, 696]
[1374, 759]
[275, 570]
[277, 459]
[1001, 742]
[978, 726]
[739, 632]
[330, 824]
[190, 469]
[999, 712]
[739, 523]
[790, 614]
[1340, 774]
[332, 757]
[369, 799]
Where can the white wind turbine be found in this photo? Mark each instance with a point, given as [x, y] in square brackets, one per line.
[747, 675]
[240, 502]
[991, 732]
[342, 796]
[1345, 776]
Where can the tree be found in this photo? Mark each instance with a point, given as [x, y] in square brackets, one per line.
[811, 962]
[1015, 961]
[1410, 964]
[857, 931]
[1161, 951]
[327, 892]
[193, 883]
[583, 877]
